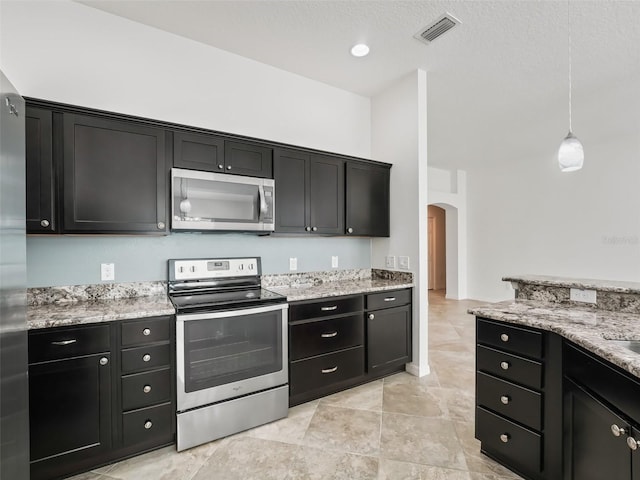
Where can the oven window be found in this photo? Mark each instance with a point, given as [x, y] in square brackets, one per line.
[225, 350]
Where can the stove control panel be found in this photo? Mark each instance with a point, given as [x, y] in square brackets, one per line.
[203, 268]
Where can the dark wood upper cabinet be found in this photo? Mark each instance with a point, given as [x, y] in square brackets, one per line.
[367, 200]
[41, 178]
[198, 151]
[248, 159]
[309, 193]
[115, 176]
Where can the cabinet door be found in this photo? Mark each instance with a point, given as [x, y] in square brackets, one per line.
[70, 408]
[388, 338]
[367, 200]
[115, 180]
[289, 171]
[40, 171]
[326, 195]
[198, 152]
[592, 451]
[635, 455]
[248, 159]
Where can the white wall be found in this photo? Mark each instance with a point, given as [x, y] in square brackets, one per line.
[398, 132]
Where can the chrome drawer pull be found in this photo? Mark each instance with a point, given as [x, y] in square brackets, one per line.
[504, 337]
[146, 357]
[633, 443]
[146, 388]
[148, 424]
[505, 399]
[504, 438]
[617, 431]
[329, 309]
[329, 335]
[329, 370]
[64, 342]
[146, 332]
[504, 365]
[104, 361]
[390, 299]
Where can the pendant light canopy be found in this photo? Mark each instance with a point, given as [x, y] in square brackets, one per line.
[570, 153]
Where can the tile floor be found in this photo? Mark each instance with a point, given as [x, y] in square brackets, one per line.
[397, 428]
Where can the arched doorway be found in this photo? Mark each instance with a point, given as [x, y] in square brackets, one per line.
[437, 248]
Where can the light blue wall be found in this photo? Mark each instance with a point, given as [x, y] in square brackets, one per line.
[75, 260]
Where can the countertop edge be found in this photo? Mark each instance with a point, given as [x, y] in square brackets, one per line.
[311, 295]
[582, 283]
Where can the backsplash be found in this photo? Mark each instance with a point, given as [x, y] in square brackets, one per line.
[102, 291]
[305, 279]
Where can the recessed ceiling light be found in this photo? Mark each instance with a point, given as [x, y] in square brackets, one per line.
[360, 50]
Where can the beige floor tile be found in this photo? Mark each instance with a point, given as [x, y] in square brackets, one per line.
[394, 470]
[90, 476]
[290, 429]
[317, 464]
[414, 399]
[363, 397]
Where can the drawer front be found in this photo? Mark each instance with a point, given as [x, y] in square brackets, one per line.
[514, 402]
[148, 425]
[145, 358]
[326, 307]
[518, 447]
[56, 343]
[324, 336]
[145, 389]
[324, 370]
[389, 299]
[511, 367]
[520, 341]
[144, 331]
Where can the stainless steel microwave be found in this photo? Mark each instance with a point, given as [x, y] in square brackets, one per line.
[217, 201]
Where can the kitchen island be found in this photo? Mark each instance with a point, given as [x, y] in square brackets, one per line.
[558, 380]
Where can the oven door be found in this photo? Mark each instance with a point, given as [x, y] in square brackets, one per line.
[227, 354]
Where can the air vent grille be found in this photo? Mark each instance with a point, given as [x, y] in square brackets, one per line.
[436, 29]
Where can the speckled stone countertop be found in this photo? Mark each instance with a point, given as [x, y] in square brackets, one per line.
[583, 283]
[595, 330]
[338, 288]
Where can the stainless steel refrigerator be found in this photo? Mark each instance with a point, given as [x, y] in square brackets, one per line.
[14, 388]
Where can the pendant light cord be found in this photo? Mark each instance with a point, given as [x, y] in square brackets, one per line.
[569, 42]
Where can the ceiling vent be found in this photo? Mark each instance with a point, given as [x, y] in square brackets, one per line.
[436, 29]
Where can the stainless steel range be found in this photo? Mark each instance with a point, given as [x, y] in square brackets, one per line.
[232, 348]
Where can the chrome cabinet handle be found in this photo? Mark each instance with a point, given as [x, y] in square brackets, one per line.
[505, 399]
[329, 335]
[146, 357]
[371, 316]
[146, 388]
[504, 438]
[64, 342]
[148, 424]
[146, 332]
[160, 225]
[504, 365]
[504, 337]
[329, 370]
[315, 229]
[390, 299]
[349, 230]
[220, 166]
[104, 361]
[633, 443]
[44, 223]
[228, 167]
[617, 431]
[329, 309]
[308, 229]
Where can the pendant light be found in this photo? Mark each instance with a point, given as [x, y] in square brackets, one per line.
[570, 153]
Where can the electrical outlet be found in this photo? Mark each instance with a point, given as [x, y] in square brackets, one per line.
[107, 272]
[334, 261]
[585, 296]
[390, 261]
[403, 262]
[293, 263]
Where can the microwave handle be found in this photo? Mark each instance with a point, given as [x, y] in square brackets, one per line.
[263, 203]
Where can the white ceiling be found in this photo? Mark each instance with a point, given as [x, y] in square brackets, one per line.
[507, 57]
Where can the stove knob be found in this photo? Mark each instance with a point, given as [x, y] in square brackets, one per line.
[181, 269]
[193, 269]
[241, 266]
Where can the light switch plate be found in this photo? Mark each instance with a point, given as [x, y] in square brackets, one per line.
[585, 296]
[403, 262]
[293, 263]
[334, 261]
[107, 272]
[390, 261]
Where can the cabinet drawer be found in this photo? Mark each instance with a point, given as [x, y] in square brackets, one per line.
[144, 331]
[326, 307]
[519, 447]
[517, 340]
[56, 343]
[324, 370]
[145, 358]
[148, 425]
[324, 336]
[515, 402]
[511, 367]
[145, 389]
[388, 299]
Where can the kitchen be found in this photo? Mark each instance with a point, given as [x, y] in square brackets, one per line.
[157, 81]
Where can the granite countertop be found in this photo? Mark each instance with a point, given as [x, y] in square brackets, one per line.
[96, 311]
[582, 283]
[596, 330]
[338, 288]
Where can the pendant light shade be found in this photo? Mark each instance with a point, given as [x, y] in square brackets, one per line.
[570, 154]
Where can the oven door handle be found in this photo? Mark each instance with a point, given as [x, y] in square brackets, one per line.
[237, 312]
